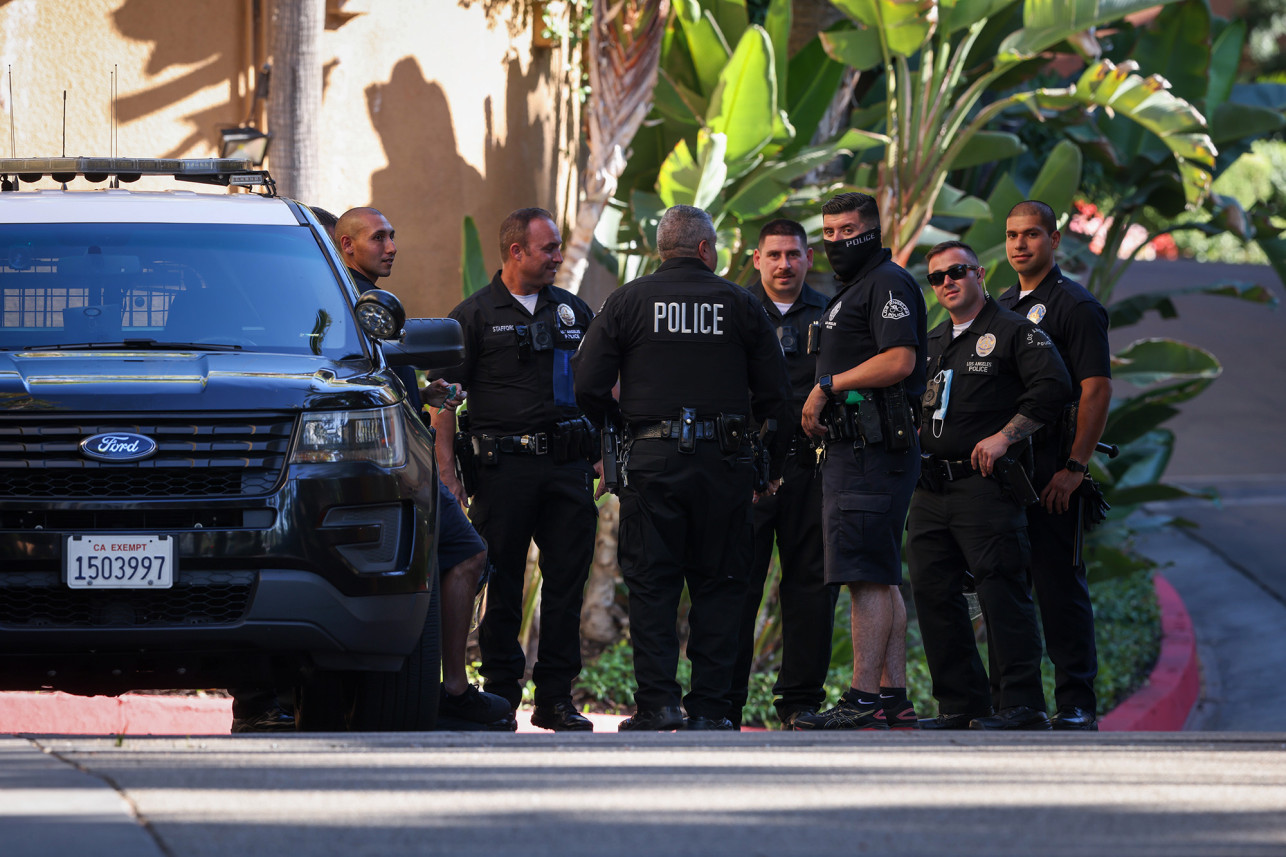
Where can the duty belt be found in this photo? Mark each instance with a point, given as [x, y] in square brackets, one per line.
[949, 470]
[703, 430]
[536, 443]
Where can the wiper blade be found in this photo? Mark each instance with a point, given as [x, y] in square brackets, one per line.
[141, 344]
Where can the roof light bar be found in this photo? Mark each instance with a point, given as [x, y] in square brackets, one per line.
[219, 171]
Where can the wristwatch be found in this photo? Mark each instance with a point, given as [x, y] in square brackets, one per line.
[825, 383]
[1075, 466]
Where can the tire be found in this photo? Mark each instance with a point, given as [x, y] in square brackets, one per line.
[406, 700]
[324, 702]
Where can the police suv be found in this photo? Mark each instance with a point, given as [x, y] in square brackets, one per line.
[209, 474]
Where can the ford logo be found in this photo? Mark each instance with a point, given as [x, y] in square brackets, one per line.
[118, 446]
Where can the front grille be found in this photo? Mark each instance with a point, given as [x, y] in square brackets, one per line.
[136, 519]
[198, 456]
[40, 600]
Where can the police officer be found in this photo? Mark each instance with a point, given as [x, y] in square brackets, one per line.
[695, 355]
[365, 240]
[1077, 323]
[995, 379]
[794, 514]
[534, 478]
[871, 367]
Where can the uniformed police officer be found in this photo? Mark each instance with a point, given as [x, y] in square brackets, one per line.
[696, 356]
[534, 478]
[871, 367]
[1077, 323]
[996, 379]
[794, 514]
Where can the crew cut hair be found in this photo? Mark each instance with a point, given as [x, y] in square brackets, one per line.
[782, 226]
[939, 249]
[1034, 207]
[864, 204]
[681, 231]
[515, 227]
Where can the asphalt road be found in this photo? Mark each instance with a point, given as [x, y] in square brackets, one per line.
[1229, 569]
[769, 794]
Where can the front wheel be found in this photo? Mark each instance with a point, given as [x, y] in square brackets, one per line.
[406, 700]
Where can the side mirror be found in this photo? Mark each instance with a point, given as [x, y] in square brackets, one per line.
[380, 314]
[436, 343]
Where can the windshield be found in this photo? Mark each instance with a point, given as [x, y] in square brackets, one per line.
[230, 287]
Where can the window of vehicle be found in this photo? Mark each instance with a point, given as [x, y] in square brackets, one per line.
[239, 287]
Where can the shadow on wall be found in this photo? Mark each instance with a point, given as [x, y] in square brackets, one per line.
[173, 44]
[414, 121]
[524, 11]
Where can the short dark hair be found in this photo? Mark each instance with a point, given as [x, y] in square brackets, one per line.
[1034, 207]
[863, 203]
[782, 226]
[939, 249]
[514, 228]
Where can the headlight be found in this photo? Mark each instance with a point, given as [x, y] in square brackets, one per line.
[376, 436]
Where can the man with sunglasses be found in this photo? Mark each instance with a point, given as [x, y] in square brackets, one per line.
[994, 379]
[1077, 323]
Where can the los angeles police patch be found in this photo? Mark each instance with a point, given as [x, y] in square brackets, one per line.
[1037, 338]
[566, 316]
[1036, 313]
[986, 344]
[894, 309]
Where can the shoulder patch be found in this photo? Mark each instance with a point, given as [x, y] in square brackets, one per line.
[986, 344]
[1036, 314]
[894, 309]
[1037, 338]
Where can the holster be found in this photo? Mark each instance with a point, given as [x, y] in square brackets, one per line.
[899, 419]
[688, 430]
[731, 431]
[573, 440]
[1015, 481]
[762, 458]
[868, 420]
[611, 451]
[930, 477]
[466, 464]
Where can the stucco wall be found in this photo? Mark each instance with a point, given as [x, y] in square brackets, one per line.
[433, 109]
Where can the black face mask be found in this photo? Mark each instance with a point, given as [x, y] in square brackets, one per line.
[849, 255]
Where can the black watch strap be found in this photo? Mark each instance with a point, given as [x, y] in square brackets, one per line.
[1075, 466]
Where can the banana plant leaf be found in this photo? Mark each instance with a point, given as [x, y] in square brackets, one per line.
[705, 43]
[1138, 415]
[902, 26]
[743, 107]
[1048, 22]
[473, 266]
[1127, 311]
[688, 180]
[1158, 360]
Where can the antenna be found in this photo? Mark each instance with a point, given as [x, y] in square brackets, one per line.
[13, 139]
[116, 114]
[64, 123]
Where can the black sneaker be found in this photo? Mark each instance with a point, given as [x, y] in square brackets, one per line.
[788, 718]
[848, 714]
[708, 724]
[666, 719]
[900, 715]
[272, 719]
[475, 711]
[1014, 718]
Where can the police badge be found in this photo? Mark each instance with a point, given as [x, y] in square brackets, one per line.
[986, 344]
[566, 316]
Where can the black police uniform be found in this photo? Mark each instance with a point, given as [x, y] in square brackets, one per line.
[794, 516]
[959, 521]
[517, 370]
[684, 337]
[1077, 323]
[866, 487]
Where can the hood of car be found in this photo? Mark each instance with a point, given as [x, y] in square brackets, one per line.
[126, 381]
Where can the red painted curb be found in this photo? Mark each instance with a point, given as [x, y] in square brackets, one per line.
[1164, 703]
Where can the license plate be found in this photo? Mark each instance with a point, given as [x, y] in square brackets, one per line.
[119, 562]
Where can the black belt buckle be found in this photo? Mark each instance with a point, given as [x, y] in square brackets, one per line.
[687, 430]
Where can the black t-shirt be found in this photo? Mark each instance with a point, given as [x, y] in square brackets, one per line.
[1001, 365]
[792, 333]
[882, 308]
[1074, 319]
[517, 365]
[682, 337]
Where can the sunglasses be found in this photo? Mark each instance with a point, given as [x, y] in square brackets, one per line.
[955, 272]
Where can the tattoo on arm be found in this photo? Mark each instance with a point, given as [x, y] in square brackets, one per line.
[1019, 427]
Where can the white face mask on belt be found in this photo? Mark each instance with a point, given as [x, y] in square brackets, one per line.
[936, 394]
